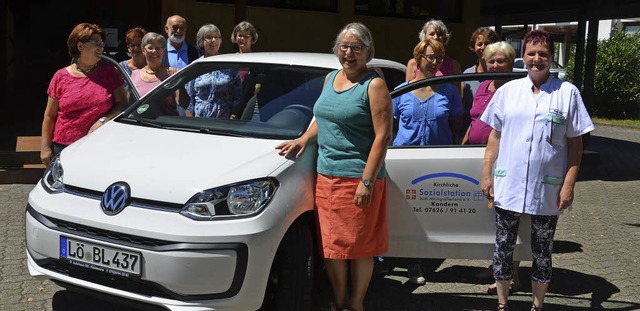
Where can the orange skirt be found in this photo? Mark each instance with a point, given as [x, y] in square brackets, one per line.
[348, 231]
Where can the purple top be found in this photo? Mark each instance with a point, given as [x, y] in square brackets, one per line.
[479, 132]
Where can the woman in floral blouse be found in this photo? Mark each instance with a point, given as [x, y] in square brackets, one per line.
[213, 94]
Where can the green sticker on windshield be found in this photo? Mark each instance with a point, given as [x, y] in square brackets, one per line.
[142, 108]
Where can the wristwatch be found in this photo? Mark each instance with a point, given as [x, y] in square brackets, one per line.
[102, 120]
[367, 183]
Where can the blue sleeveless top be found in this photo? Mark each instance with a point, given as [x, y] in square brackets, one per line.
[345, 129]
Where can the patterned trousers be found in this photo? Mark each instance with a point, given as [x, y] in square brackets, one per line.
[542, 230]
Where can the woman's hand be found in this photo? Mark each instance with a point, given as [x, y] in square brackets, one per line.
[46, 154]
[363, 195]
[293, 147]
[95, 126]
[565, 198]
[487, 186]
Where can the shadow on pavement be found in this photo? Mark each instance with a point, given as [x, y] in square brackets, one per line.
[402, 297]
[565, 247]
[619, 160]
[67, 300]
[561, 296]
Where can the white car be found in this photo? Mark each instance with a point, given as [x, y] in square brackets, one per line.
[203, 214]
[556, 69]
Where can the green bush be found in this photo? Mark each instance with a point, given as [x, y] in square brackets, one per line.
[617, 77]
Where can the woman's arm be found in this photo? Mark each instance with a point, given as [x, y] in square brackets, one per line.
[410, 74]
[49, 120]
[574, 157]
[120, 103]
[465, 139]
[382, 116]
[297, 146]
[490, 156]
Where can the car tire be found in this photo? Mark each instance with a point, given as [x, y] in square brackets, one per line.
[290, 283]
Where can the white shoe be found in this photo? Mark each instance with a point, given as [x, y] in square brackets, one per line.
[415, 274]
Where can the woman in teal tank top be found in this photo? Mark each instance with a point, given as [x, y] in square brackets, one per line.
[352, 129]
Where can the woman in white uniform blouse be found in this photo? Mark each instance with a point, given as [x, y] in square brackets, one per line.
[536, 146]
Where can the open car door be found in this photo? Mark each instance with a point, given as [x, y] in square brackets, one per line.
[436, 205]
[132, 92]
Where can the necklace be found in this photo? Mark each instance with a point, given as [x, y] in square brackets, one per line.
[86, 71]
[150, 71]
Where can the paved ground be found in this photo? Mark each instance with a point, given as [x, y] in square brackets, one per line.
[596, 255]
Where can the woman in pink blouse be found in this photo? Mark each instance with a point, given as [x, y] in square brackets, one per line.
[152, 74]
[499, 57]
[83, 95]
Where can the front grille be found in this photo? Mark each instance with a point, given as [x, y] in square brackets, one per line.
[106, 235]
[137, 202]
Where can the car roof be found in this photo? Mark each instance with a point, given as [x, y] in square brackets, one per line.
[321, 60]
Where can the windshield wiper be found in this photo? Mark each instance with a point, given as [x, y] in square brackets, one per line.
[207, 130]
[142, 121]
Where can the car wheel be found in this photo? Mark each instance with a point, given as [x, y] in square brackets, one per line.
[290, 283]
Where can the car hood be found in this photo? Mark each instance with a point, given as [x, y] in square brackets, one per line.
[165, 165]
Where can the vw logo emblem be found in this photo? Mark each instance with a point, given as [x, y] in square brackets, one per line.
[115, 198]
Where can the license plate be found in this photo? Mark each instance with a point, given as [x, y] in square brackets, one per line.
[101, 258]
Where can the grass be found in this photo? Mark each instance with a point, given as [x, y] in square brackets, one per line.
[625, 123]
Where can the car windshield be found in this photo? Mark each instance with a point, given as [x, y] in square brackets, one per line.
[272, 101]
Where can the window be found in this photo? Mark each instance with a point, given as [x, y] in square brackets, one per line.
[447, 10]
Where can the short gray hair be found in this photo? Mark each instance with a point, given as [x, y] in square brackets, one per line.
[203, 31]
[362, 32]
[439, 27]
[153, 37]
[245, 26]
[500, 46]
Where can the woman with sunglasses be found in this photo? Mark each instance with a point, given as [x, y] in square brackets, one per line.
[428, 115]
[83, 95]
[353, 129]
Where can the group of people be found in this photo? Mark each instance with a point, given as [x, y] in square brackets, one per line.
[86, 94]
[353, 128]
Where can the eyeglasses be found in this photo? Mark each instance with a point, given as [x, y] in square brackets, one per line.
[151, 48]
[134, 46]
[211, 38]
[98, 43]
[355, 48]
[432, 58]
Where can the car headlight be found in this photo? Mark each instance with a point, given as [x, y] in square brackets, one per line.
[236, 200]
[52, 178]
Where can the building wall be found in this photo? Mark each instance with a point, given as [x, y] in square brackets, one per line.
[306, 31]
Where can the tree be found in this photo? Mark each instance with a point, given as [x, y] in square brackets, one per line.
[617, 76]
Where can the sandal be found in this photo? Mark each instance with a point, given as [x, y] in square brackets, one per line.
[503, 307]
[534, 308]
[493, 289]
